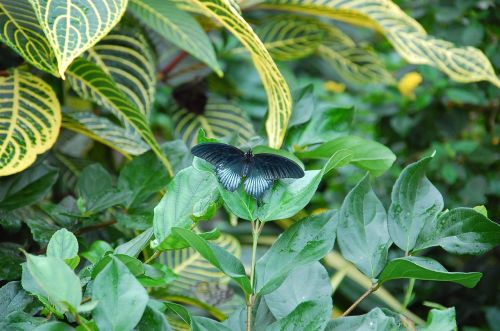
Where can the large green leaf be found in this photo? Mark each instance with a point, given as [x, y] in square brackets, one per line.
[177, 26]
[304, 242]
[27, 187]
[121, 298]
[309, 315]
[375, 320]
[426, 269]
[407, 36]
[218, 257]
[63, 245]
[440, 319]
[365, 154]
[278, 93]
[415, 202]
[219, 119]
[188, 192]
[53, 279]
[19, 28]
[13, 299]
[72, 27]
[153, 319]
[362, 230]
[10, 261]
[294, 290]
[91, 82]
[31, 118]
[460, 231]
[290, 37]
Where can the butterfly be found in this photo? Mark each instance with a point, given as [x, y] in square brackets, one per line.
[259, 171]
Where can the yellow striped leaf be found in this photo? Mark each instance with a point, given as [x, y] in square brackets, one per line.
[278, 93]
[218, 120]
[72, 26]
[462, 64]
[103, 130]
[291, 37]
[91, 82]
[126, 56]
[20, 30]
[30, 118]
[177, 26]
[353, 63]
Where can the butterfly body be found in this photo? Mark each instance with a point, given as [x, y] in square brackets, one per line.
[258, 171]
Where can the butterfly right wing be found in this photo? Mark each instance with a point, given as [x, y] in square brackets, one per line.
[229, 174]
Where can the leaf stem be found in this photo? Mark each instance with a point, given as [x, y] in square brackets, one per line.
[172, 64]
[152, 257]
[373, 288]
[409, 291]
[79, 321]
[256, 230]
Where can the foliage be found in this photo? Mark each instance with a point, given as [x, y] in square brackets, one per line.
[108, 222]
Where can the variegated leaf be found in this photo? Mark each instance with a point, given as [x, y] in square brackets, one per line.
[103, 130]
[462, 64]
[30, 118]
[177, 26]
[91, 82]
[72, 26]
[279, 97]
[20, 29]
[218, 120]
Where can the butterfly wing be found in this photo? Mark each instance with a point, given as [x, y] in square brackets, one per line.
[228, 162]
[256, 184]
[272, 166]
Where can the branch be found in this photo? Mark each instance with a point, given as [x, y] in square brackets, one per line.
[169, 67]
[361, 298]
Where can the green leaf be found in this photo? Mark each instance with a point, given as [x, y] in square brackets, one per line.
[309, 315]
[12, 299]
[41, 229]
[91, 82]
[362, 230]
[415, 202]
[21, 321]
[304, 242]
[54, 326]
[73, 27]
[50, 277]
[122, 299]
[290, 37]
[426, 269]
[135, 266]
[365, 154]
[460, 231]
[10, 260]
[136, 245]
[26, 188]
[157, 275]
[63, 245]
[177, 206]
[375, 320]
[178, 27]
[295, 291]
[217, 256]
[31, 118]
[440, 319]
[19, 29]
[206, 324]
[153, 319]
[96, 251]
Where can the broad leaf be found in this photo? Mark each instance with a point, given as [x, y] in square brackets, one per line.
[278, 93]
[136, 245]
[426, 269]
[440, 319]
[122, 299]
[96, 251]
[375, 320]
[73, 27]
[63, 245]
[10, 261]
[362, 230]
[206, 324]
[13, 299]
[309, 315]
[463, 64]
[295, 289]
[153, 319]
[176, 208]
[415, 202]
[26, 188]
[304, 242]
[460, 231]
[365, 154]
[21, 321]
[19, 28]
[177, 26]
[32, 118]
[53, 279]
[91, 82]
[218, 257]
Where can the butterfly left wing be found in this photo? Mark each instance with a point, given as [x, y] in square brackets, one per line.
[256, 184]
[272, 166]
[229, 174]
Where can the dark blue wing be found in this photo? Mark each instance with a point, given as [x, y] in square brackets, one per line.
[229, 174]
[256, 184]
[272, 166]
[217, 153]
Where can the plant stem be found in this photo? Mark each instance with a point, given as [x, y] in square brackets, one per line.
[361, 298]
[169, 67]
[152, 257]
[256, 230]
[79, 321]
[409, 291]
